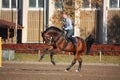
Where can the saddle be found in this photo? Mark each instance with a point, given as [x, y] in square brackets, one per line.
[71, 39]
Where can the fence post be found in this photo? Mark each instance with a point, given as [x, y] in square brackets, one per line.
[38, 54]
[0, 52]
[100, 53]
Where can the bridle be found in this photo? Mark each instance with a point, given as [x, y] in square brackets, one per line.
[48, 39]
[53, 40]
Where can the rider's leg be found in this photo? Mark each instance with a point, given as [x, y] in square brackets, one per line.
[69, 35]
[73, 41]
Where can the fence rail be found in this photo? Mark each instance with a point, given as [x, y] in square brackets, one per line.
[0, 52]
[106, 49]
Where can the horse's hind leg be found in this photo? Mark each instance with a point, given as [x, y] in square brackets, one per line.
[80, 63]
[69, 67]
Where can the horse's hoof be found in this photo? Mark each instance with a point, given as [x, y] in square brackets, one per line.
[53, 63]
[66, 70]
[77, 70]
[39, 60]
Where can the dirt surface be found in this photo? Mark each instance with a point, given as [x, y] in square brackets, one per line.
[36, 71]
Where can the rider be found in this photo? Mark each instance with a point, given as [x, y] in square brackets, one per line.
[68, 27]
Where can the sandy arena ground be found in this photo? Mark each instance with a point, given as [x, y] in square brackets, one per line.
[46, 71]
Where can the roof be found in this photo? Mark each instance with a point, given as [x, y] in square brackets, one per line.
[11, 25]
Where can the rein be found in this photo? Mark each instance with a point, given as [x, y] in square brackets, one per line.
[65, 39]
[58, 37]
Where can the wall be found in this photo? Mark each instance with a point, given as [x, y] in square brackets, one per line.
[88, 22]
[9, 15]
[35, 26]
[113, 26]
[24, 31]
[51, 12]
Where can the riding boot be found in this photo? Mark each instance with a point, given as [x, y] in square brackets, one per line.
[73, 41]
[75, 44]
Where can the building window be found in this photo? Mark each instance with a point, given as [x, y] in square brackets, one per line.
[88, 3]
[5, 3]
[13, 2]
[36, 3]
[58, 4]
[85, 4]
[8, 3]
[32, 3]
[40, 3]
[114, 4]
[119, 3]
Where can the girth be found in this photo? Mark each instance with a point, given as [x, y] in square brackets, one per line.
[71, 39]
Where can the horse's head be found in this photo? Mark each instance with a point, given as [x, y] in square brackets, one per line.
[47, 38]
[50, 34]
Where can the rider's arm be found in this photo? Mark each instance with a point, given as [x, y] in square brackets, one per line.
[69, 24]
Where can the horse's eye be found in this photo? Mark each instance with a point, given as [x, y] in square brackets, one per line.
[47, 38]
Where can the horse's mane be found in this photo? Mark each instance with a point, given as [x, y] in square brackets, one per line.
[53, 28]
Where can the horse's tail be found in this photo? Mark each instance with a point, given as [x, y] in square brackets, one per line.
[87, 50]
[89, 41]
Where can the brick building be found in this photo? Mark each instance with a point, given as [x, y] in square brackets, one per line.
[35, 16]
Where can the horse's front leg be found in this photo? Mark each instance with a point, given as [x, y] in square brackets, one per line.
[44, 52]
[51, 57]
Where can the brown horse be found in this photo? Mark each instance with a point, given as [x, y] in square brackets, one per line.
[57, 39]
